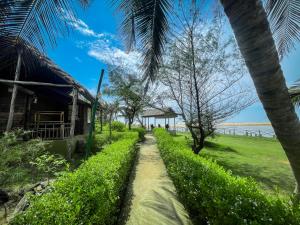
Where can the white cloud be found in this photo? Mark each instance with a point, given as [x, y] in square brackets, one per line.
[82, 27]
[111, 55]
[79, 25]
[104, 46]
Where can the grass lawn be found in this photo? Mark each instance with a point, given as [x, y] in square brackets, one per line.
[260, 158]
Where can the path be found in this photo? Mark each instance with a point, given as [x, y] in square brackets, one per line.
[151, 197]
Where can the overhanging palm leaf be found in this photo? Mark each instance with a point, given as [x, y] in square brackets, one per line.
[284, 16]
[146, 19]
[33, 21]
[295, 93]
[4, 9]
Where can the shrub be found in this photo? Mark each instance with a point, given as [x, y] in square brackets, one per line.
[90, 195]
[49, 164]
[101, 139]
[118, 126]
[214, 196]
[141, 131]
[19, 159]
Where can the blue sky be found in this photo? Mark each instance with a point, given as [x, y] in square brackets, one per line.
[95, 40]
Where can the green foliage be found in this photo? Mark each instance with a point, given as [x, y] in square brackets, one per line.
[214, 196]
[101, 139]
[141, 131]
[15, 166]
[26, 162]
[91, 194]
[118, 126]
[49, 164]
[261, 158]
[128, 91]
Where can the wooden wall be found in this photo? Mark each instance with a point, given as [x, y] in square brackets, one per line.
[24, 115]
[20, 106]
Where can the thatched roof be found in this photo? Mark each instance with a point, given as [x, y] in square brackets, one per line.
[160, 113]
[38, 67]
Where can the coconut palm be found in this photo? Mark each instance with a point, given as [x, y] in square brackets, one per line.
[295, 93]
[148, 21]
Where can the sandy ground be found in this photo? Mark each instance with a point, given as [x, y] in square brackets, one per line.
[151, 196]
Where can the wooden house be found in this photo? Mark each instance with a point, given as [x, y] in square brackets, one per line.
[36, 95]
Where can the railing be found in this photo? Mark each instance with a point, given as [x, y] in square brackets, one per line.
[50, 131]
[251, 132]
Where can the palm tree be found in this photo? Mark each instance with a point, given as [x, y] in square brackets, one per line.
[148, 20]
[295, 93]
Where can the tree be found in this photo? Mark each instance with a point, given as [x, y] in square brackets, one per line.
[202, 72]
[110, 109]
[128, 91]
[249, 22]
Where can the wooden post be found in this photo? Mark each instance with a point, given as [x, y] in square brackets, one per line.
[74, 112]
[14, 95]
[93, 113]
[174, 125]
[62, 131]
[27, 112]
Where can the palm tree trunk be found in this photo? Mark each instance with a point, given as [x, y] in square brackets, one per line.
[251, 29]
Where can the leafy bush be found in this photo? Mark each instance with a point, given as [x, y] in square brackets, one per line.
[118, 126]
[214, 196]
[49, 164]
[90, 195]
[18, 164]
[101, 139]
[141, 131]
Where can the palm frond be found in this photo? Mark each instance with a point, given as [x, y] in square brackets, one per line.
[146, 20]
[129, 9]
[31, 24]
[34, 21]
[284, 16]
[4, 9]
[295, 93]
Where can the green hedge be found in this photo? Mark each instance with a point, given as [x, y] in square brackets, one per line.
[214, 196]
[91, 194]
[141, 131]
[101, 139]
[118, 126]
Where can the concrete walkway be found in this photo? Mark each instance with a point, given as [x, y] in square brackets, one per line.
[151, 197]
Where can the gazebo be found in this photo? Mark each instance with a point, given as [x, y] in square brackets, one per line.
[158, 114]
